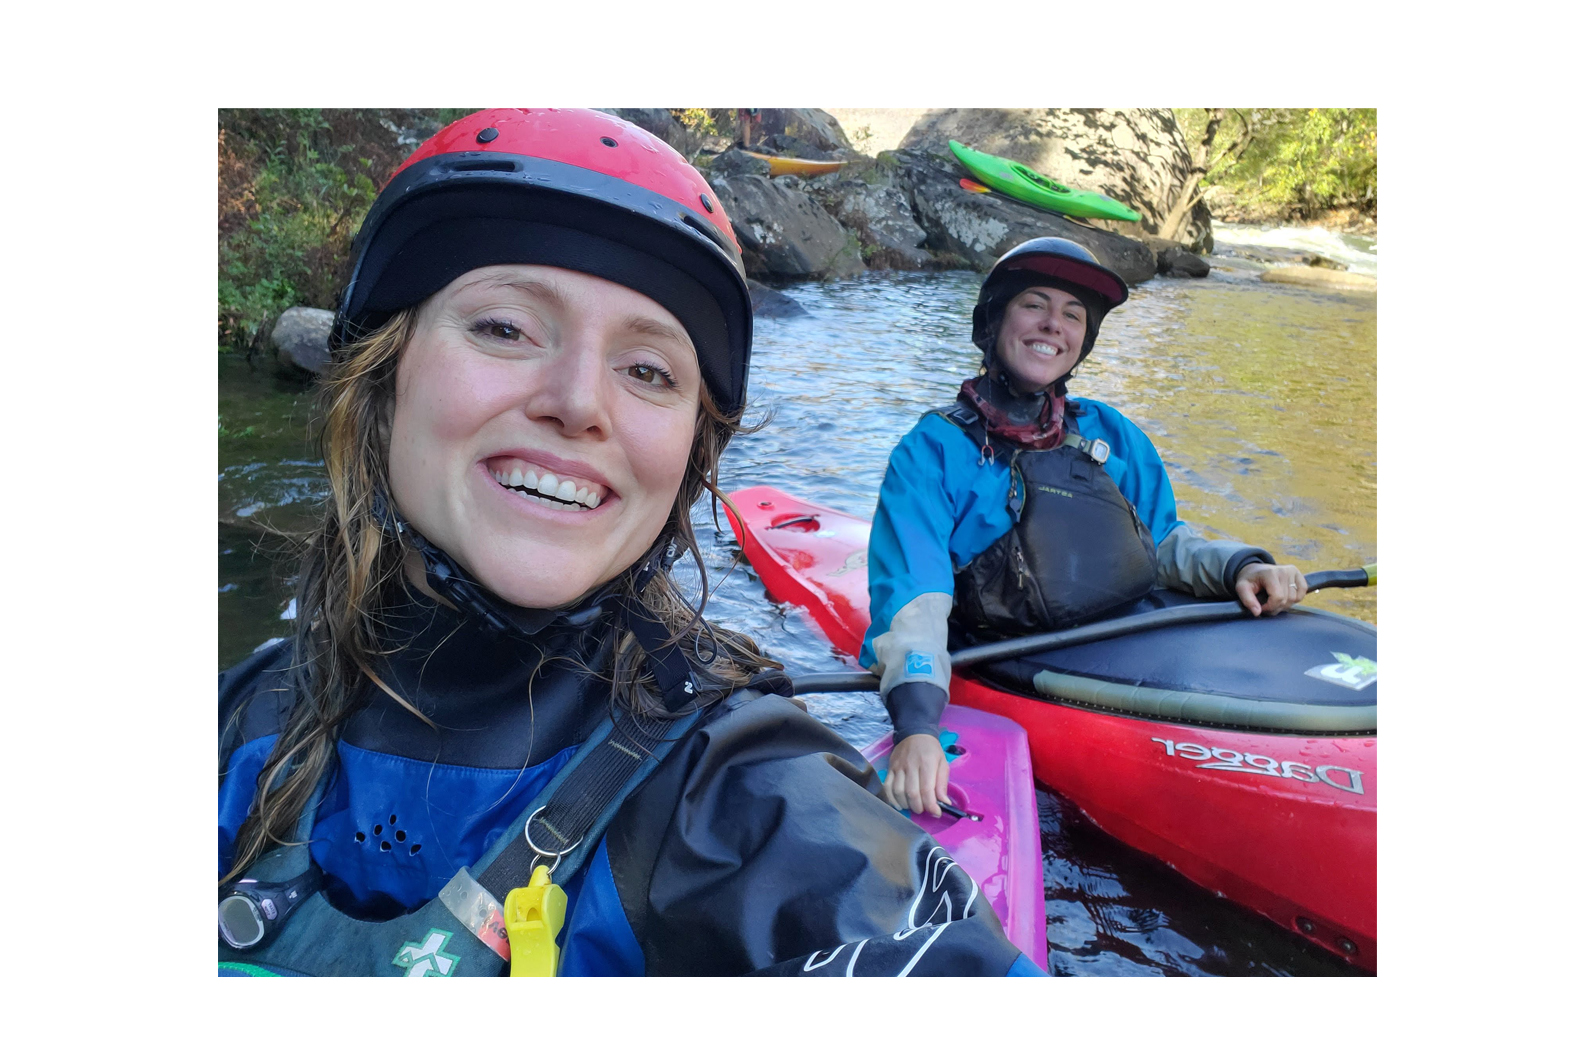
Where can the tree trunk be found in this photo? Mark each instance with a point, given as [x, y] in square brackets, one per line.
[1190, 193]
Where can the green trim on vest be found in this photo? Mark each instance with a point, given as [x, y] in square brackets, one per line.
[245, 969]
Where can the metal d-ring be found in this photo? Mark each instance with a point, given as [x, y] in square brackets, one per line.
[556, 856]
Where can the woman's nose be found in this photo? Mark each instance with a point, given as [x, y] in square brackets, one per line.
[572, 391]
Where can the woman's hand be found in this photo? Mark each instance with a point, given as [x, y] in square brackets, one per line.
[919, 775]
[1284, 585]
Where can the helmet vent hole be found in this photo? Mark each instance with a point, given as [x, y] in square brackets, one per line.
[377, 830]
[486, 136]
[609, 141]
[706, 202]
[414, 849]
[386, 846]
[359, 838]
[398, 836]
[492, 165]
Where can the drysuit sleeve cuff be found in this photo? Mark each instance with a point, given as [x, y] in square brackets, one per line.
[915, 707]
[1240, 560]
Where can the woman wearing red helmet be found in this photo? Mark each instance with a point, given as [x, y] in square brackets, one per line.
[501, 739]
[1048, 511]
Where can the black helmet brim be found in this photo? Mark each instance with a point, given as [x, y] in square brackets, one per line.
[450, 214]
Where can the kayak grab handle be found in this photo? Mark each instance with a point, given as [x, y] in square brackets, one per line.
[793, 519]
[1180, 615]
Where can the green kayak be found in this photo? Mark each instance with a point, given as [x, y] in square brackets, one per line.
[1036, 189]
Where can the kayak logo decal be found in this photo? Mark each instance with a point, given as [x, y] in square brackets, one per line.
[427, 958]
[1344, 778]
[1351, 672]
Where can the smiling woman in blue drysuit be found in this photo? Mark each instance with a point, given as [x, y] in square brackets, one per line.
[1086, 527]
[500, 739]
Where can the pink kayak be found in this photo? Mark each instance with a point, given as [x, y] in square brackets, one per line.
[991, 777]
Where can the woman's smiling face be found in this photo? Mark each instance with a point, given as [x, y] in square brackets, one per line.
[543, 424]
[1041, 336]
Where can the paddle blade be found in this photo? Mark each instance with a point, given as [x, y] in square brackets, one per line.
[974, 186]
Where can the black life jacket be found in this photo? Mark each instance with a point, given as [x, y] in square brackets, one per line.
[1076, 548]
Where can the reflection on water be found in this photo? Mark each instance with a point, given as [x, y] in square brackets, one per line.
[1261, 399]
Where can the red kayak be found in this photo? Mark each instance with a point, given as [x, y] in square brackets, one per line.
[1209, 780]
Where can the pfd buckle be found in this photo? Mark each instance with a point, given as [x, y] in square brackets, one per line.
[542, 852]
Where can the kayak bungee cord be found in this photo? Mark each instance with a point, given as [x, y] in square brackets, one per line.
[867, 681]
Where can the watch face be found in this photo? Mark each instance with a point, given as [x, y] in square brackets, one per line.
[1099, 450]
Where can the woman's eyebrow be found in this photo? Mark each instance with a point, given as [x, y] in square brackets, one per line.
[534, 288]
[658, 329]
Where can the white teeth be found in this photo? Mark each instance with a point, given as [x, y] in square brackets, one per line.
[1043, 348]
[549, 487]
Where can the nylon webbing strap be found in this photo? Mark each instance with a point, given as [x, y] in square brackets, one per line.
[566, 820]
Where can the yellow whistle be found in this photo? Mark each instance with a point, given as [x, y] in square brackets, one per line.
[533, 916]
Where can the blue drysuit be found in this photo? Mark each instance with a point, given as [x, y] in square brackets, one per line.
[940, 507]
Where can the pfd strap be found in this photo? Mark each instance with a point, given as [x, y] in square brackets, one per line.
[1096, 449]
[565, 822]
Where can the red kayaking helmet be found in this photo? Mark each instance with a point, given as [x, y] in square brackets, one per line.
[1048, 261]
[575, 189]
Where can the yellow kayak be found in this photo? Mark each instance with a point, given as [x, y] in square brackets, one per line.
[801, 167]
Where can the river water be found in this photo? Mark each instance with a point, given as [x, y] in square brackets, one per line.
[1260, 397]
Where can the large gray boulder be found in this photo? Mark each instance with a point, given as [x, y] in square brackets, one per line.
[783, 231]
[1136, 155]
[803, 130]
[875, 208]
[980, 227]
[299, 340]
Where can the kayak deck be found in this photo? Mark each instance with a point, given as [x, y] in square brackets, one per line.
[1282, 823]
[992, 778]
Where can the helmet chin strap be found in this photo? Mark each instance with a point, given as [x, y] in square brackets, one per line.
[447, 577]
[1020, 406]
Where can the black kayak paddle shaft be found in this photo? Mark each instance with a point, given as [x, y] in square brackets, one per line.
[866, 681]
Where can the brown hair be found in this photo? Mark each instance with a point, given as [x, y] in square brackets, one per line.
[354, 560]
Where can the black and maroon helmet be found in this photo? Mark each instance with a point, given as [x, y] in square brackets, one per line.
[576, 189]
[1048, 261]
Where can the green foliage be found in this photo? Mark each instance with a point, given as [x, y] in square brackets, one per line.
[1300, 163]
[698, 120]
[293, 187]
